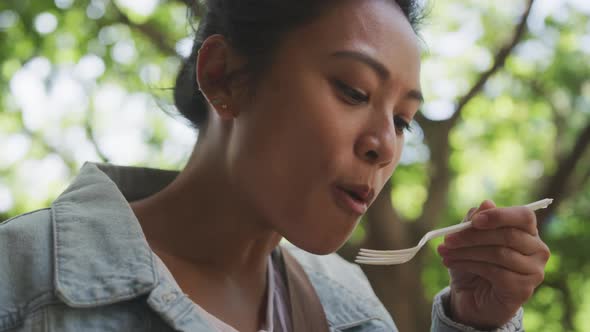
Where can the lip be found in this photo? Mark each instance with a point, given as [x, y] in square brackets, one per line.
[357, 206]
[364, 192]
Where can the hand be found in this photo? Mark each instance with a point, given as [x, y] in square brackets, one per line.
[495, 266]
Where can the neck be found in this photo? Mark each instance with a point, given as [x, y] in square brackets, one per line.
[208, 234]
[201, 219]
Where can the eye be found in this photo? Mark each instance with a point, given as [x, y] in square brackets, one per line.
[401, 125]
[351, 95]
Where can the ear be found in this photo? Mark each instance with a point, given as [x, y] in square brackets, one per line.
[215, 62]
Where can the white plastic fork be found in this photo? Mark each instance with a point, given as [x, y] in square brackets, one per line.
[392, 257]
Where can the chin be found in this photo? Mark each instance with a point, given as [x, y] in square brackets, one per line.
[320, 249]
[320, 245]
[321, 235]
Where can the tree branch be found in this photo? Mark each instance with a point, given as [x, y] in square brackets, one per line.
[556, 187]
[384, 226]
[580, 178]
[92, 138]
[72, 166]
[4, 217]
[190, 3]
[543, 91]
[564, 182]
[151, 32]
[499, 61]
[585, 178]
[561, 286]
[437, 133]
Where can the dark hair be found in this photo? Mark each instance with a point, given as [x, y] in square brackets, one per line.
[254, 29]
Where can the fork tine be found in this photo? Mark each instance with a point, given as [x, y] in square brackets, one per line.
[388, 262]
[378, 263]
[372, 251]
[385, 256]
[382, 258]
[377, 254]
[376, 260]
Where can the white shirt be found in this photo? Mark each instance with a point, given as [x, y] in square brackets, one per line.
[277, 310]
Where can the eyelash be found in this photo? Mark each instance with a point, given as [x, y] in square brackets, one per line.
[355, 97]
[352, 95]
[401, 125]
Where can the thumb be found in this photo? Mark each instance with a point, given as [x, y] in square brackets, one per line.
[485, 205]
[469, 214]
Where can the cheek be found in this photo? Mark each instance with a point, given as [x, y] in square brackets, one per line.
[293, 132]
[273, 154]
[388, 171]
[289, 151]
[292, 196]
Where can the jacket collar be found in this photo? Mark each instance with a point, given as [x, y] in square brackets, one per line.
[100, 253]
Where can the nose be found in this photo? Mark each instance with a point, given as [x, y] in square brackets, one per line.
[377, 147]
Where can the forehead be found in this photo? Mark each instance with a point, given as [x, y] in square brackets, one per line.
[377, 28]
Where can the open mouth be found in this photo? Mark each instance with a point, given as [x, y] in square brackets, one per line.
[355, 196]
[350, 200]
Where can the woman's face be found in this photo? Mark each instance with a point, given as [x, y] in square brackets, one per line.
[325, 129]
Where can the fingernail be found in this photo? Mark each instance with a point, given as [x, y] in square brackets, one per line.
[480, 219]
[470, 213]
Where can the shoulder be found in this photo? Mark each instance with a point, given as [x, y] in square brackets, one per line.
[27, 237]
[25, 263]
[26, 247]
[343, 288]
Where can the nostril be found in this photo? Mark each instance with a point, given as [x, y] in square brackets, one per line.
[371, 155]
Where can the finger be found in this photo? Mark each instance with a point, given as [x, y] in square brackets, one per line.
[520, 286]
[511, 237]
[469, 214]
[504, 257]
[485, 205]
[517, 216]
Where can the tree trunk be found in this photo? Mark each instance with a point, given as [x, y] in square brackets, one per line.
[398, 287]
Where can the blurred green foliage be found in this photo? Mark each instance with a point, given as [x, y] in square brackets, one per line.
[69, 69]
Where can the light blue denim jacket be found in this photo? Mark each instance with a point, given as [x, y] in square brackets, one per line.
[84, 265]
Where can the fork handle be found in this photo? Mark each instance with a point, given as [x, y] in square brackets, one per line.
[539, 204]
[450, 229]
[459, 227]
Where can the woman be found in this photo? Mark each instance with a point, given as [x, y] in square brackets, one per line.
[301, 108]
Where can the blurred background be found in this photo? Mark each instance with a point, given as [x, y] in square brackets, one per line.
[507, 118]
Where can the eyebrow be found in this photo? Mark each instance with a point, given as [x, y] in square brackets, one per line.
[378, 67]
